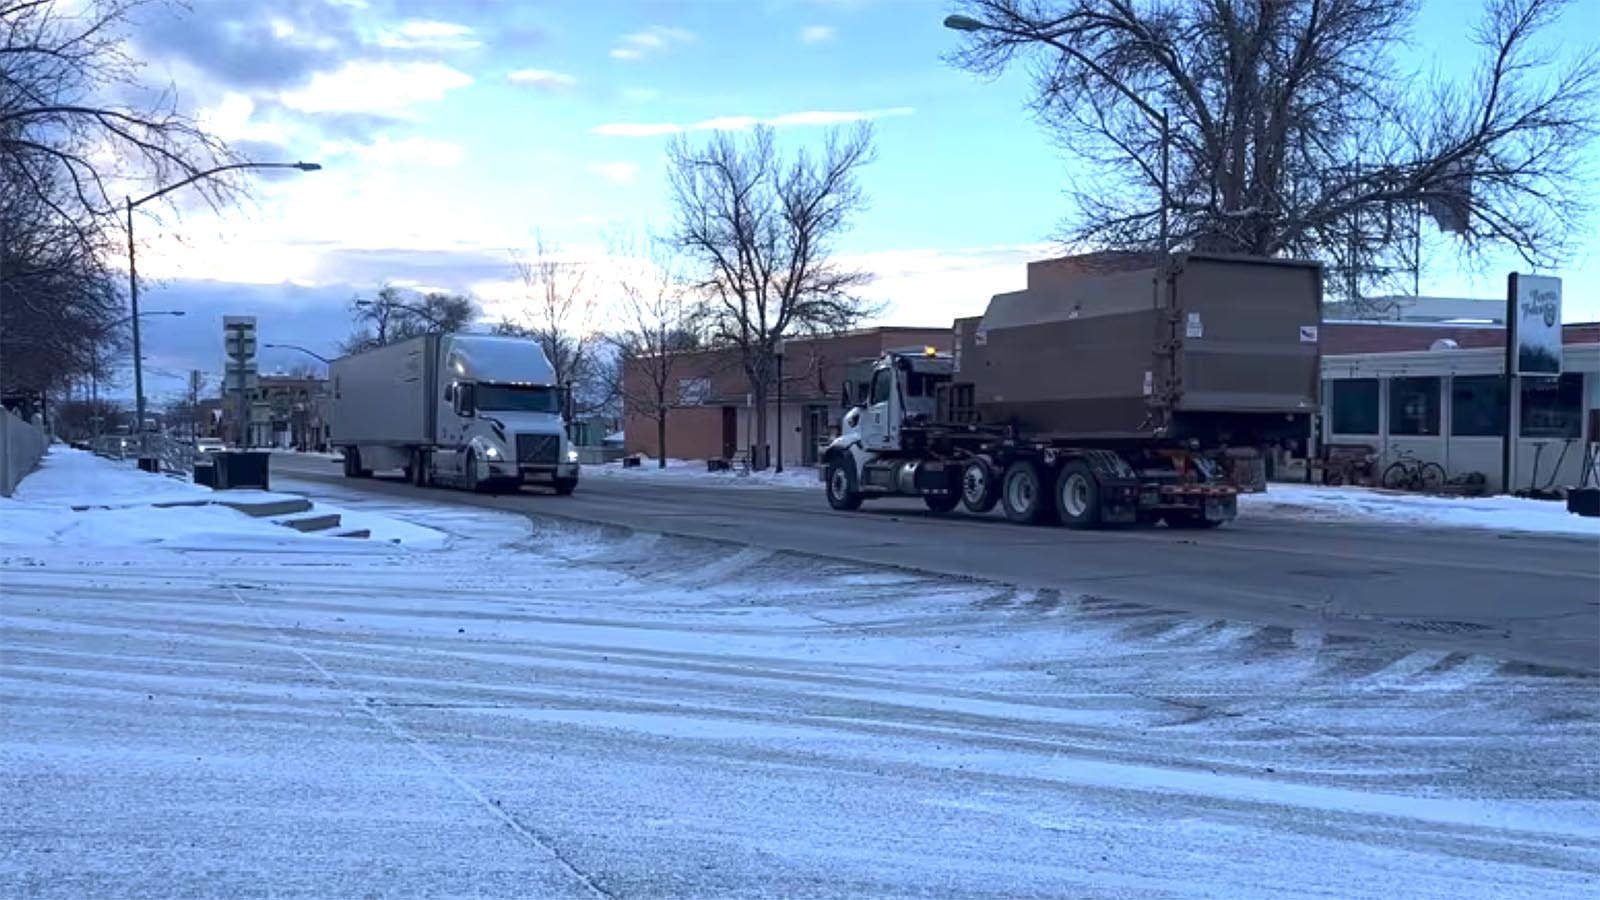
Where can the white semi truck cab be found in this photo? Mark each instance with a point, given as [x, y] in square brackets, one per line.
[467, 410]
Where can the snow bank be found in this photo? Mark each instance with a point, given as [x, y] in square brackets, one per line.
[693, 472]
[78, 499]
[1357, 504]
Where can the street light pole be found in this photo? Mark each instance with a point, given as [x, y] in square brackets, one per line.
[314, 355]
[780, 349]
[133, 278]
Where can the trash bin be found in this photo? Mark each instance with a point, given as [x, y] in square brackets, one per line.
[205, 473]
[237, 469]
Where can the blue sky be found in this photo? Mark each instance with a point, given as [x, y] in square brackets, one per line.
[453, 131]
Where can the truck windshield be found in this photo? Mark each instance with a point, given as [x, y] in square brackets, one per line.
[518, 398]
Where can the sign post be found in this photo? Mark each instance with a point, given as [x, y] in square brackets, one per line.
[1533, 348]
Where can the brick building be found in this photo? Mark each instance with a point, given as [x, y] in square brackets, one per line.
[715, 417]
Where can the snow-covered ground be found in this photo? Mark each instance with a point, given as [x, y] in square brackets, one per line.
[536, 711]
[693, 471]
[1359, 504]
[80, 500]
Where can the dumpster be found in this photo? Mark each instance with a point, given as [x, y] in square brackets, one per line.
[205, 473]
[237, 469]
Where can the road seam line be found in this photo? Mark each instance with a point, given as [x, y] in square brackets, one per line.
[527, 833]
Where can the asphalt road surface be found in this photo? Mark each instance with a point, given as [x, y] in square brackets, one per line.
[1525, 597]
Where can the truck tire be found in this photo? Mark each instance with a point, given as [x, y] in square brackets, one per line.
[842, 491]
[1023, 494]
[352, 464]
[469, 475]
[1077, 496]
[564, 486]
[980, 486]
[940, 504]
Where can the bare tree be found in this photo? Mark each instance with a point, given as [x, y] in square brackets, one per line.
[561, 310]
[391, 315]
[660, 322]
[76, 127]
[760, 229]
[1294, 130]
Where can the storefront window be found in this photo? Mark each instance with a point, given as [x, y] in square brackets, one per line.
[1355, 406]
[1414, 406]
[1478, 406]
[1552, 407]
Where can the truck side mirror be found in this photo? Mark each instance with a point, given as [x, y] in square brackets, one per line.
[466, 399]
[844, 396]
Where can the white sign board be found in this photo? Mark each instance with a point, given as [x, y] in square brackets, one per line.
[1534, 317]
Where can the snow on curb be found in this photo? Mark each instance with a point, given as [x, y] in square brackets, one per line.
[78, 499]
[1357, 504]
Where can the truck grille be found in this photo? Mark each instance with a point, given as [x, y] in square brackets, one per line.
[542, 449]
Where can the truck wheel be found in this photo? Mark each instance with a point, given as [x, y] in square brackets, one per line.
[564, 486]
[939, 504]
[470, 476]
[352, 464]
[1023, 495]
[1077, 496]
[980, 486]
[842, 492]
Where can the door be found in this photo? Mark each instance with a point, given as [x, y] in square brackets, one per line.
[730, 432]
[816, 431]
[879, 427]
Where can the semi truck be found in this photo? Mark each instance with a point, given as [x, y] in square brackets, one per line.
[1097, 395]
[472, 411]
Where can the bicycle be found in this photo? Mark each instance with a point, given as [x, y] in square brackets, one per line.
[1408, 473]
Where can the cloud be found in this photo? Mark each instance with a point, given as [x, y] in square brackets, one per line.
[653, 40]
[365, 87]
[542, 79]
[935, 286]
[429, 34]
[405, 151]
[740, 123]
[817, 34]
[252, 45]
[619, 172]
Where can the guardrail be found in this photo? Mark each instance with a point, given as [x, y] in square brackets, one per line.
[176, 456]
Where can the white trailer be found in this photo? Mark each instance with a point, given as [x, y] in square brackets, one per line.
[468, 410]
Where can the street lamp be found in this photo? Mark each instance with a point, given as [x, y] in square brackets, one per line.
[133, 277]
[94, 362]
[1159, 117]
[314, 355]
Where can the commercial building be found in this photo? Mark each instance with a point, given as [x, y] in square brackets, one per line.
[714, 416]
[287, 411]
[1437, 390]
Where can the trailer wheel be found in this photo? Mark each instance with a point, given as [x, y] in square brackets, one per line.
[1023, 494]
[1077, 496]
[352, 464]
[980, 486]
[842, 492]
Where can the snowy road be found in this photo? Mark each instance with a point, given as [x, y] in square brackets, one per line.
[567, 712]
[1534, 597]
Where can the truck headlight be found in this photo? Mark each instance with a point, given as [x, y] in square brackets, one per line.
[572, 456]
[492, 452]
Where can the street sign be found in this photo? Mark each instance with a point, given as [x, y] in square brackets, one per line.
[1533, 319]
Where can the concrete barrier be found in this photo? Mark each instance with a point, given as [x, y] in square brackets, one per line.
[21, 446]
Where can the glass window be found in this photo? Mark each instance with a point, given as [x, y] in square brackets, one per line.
[1355, 406]
[1478, 406]
[880, 387]
[517, 398]
[1552, 407]
[1413, 406]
